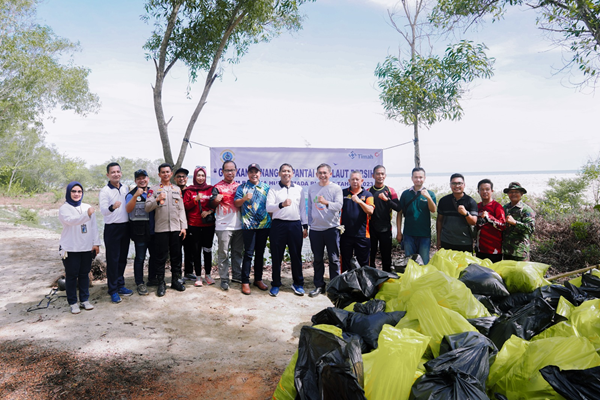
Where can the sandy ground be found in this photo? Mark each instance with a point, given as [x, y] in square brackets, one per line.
[201, 343]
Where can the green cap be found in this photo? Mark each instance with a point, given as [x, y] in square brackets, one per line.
[515, 186]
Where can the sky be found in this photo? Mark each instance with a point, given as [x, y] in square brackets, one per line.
[317, 88]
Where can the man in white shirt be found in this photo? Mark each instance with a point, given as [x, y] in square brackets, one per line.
[287, 204]
[325, 202]
[116, 232]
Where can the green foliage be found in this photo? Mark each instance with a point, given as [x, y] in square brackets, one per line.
[428, 89]
[128, 167]
[572, 24]
[590, 173]
[580, 229]
[565, 195]
[27, 215]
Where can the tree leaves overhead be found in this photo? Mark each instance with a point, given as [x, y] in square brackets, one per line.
[428, 89]
[571, 24]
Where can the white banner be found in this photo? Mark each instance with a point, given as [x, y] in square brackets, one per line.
[304, 161]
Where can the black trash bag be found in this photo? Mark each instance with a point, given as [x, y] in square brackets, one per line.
[524, 322]
[590, 285]
[468, 352]
[402, 266]
[358, 285]
[483, 324]
[321, 352]
[514, 301]
[332, 316]
[448, 384]
[484, 281]
[366, 326]
[553, 293]
[488, 303]
[354, 264]
[574, 384]
[370, 307]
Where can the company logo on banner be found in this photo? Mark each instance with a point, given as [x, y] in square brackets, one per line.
[304, 161]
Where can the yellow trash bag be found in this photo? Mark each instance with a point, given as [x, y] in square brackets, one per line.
[390, 369]
[562, 329]
[449, 292]
[426, 316]
[286, 389]
[388, 292]
[515, 373]
[577, 281]
[521, 276]
[585, 318]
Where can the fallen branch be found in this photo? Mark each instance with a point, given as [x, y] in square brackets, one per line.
[577, 271]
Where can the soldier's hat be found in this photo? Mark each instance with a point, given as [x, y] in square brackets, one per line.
[515, 186]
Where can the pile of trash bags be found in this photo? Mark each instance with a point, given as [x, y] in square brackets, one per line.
[457, 328]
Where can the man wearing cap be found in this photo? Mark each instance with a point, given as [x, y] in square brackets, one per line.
[356, 214]
[181, 178]
[170, 227]
[251, 199]
[457, 214]
[116, 232]
[289, 226]
[520, 224]
[228, 226]
[139, 226]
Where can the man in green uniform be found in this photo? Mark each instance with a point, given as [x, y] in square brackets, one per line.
[520, 223]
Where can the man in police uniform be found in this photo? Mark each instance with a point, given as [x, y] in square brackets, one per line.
[170, 227]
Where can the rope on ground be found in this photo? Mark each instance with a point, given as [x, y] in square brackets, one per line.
[50, 297]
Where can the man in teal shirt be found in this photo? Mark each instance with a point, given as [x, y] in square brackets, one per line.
[251, 198]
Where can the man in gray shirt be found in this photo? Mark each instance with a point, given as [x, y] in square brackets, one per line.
[325, 202]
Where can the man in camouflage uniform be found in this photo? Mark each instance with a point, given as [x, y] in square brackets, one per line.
[520, 223]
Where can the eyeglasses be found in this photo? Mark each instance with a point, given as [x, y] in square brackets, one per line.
[457, 183]
[229, 170]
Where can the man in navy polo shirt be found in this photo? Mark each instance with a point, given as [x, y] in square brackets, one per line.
[356, 213]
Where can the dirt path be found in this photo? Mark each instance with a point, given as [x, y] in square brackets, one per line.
[201, 343]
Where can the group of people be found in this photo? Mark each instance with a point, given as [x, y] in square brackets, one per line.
[351, 223]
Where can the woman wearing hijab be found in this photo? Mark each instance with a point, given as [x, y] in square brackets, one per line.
[79, 243]
[201, 224]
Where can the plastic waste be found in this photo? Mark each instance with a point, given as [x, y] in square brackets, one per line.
[286, 389]
[328, 367]
[515, 373]
[521, 276]
[370, 307]
[358, 285]
[449, 384]
[483, 281]
[585, 318]
[390, 370]
[483, 324]
[574, 384]
[524, 322]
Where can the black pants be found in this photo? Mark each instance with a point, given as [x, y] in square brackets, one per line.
[77, 267]
[286, 233]
[383, 240]
[360, 247]
[201, 238]
[457, 247]
[168, 243]
[188, 251]
[492, 257]
[116, 241]
[255, 242]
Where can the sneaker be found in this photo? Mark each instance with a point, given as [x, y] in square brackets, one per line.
[87, 306]
[274, 291]
[75, 308]
[224, 285]
[316, 292]
[209, 280]
[123, 291]
[142, 290]
[236, 280]
[198, 283]
[190, 277]
[115, 298]
[299, 290]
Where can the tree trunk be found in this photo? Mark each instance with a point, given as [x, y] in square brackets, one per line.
[416, 142]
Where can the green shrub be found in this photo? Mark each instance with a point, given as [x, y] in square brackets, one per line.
[30, 216]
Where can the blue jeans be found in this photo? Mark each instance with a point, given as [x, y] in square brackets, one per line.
[417, 245]
[138, 262]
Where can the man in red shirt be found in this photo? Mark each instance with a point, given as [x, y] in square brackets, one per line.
[491, 221]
